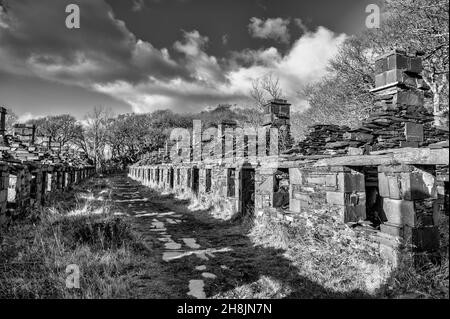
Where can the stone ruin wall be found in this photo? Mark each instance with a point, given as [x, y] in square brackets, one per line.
[398, 184]
[33, 169]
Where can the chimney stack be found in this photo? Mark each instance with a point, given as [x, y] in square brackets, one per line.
[278, 115]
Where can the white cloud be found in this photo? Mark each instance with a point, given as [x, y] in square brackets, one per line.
[25, 117]
[202, 67]
[276, 29]
[304, 63]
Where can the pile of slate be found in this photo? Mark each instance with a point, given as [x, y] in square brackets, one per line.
[434, 135]
[15, 149]
[324, 139]
[397, 126]
[388, 126]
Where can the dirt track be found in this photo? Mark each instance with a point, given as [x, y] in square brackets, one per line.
[195, 255]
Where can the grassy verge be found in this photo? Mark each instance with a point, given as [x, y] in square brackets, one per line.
[80, 230]
[324, 250]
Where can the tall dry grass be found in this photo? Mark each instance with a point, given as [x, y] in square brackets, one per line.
[326, 251]
[80, 230]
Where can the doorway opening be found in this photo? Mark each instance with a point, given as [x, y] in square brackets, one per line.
[195, 180]
[171, 176]
[281, 189]
[189, 178]
[33, 186]
[208, 181]
[247, 191]
[231, 182]
[374, 203]
[43, 187]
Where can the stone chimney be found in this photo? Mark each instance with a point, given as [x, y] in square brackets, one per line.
[25, 132]
[400, 88]
[397, 68]
[397, 75]
[277, 114]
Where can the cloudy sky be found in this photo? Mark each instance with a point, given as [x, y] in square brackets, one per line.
[143, 55]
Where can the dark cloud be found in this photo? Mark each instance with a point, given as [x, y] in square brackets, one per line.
[102, 49]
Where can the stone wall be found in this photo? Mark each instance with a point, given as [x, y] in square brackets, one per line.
[33, 168]
[26, 186]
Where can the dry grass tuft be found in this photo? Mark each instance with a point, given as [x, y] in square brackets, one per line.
[326, 251]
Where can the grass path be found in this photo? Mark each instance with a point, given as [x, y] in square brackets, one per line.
[197, 256]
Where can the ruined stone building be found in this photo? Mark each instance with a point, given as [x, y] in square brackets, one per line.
[33, 168]
[389, 177]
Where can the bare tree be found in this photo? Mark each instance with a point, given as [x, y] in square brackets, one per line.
[266, 88]
[62, 128]
[95, 138]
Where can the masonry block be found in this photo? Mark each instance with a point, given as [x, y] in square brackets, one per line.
[408, 186]
[392, 229]
[426, 238]
[251, 142]
[274, 142]
[351, 213]
[240, 145]
[383, 185]
[418, 185]
[413, 132]
[380, 79]
[331, 180]
[409, 144]
[295, 176]
[409, 98]
[351, 182]
[399, 212]
[340, 198]
[393, 76]
[262, 141]
[197, 140]
[395, 187]
[229, 141]
[317, 179]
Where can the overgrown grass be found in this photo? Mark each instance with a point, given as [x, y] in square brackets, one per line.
[429, 279]
[326, 251]
[35, 252]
